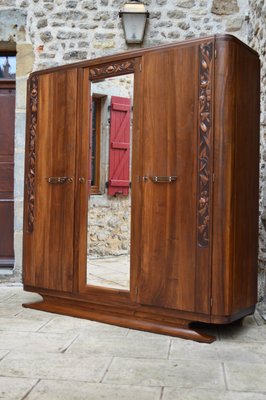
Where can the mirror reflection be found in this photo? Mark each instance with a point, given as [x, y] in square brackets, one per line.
[109, 203]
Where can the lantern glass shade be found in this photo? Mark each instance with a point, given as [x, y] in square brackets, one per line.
[134, 17]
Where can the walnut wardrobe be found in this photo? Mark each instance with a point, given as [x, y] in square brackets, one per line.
[194, 187]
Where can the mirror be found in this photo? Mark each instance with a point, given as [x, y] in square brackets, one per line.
[109, 203]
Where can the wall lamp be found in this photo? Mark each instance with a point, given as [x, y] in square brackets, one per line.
[134, 17]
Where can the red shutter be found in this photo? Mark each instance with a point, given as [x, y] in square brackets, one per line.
[90, 144]
[119, 146]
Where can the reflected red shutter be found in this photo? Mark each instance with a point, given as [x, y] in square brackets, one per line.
[90, 142]
[119, 146]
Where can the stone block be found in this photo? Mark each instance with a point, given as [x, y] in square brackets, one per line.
[83, 44]
[21, 34]
[117, 3]
[108, 25]
[102, 236]
[39, 14]
[48, 7]
[107, 44]
[68, 34]
[46, 36]
[173, 35]
[196, 12]
[104, 36]
[190, 350]
[234, 24]
[183, 25]
[19, 175]
[90, 5]
[78, 55]
[25, 59]
[42, 23]
[185, 3]
[47, 365]
[155, 15]
[92, 25]
[36, 342]
[250, 353]
[179, 373]
[95, 391]
[21, 88]
[209, 394]
[53, 47]
[12, 388]
[18, 215]
[18, 236]
[176, 14]
[245, 376]
[71, 4]
[57, 23]
[224, 7]
[162, 24]
[47, 55]
[102, 16]
[20, 129]
[70, 15]
[122, 346]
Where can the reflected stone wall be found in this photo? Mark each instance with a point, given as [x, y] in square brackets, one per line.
[109, 224]
[109, 216]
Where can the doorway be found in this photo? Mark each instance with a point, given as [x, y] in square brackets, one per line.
[7, 129]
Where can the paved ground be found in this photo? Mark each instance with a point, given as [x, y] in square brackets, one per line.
[111, 272]
[51, 357]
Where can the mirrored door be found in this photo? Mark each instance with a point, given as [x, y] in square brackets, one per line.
[109, 184]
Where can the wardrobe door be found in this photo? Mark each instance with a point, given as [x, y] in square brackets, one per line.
[176, 141]
[49, 180]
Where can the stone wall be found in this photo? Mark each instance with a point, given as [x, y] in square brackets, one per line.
[13, 37]
[63, 31]
[257, 40]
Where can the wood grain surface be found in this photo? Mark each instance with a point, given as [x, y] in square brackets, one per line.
[48, 250]
[194, 239]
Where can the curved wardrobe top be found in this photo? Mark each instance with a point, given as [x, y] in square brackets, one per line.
[137, 53]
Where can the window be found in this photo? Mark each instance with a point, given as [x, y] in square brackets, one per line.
[95, 144]
[7, 66]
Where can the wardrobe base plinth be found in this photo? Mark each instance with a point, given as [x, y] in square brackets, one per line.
[124, 318]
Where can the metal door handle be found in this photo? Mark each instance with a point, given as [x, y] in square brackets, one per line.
[163, 179]
[59, 179]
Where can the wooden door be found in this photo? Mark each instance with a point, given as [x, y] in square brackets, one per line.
[7, 125]
[50, 180]
[174, 267]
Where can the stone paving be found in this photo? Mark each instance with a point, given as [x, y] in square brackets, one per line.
[46, 356]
